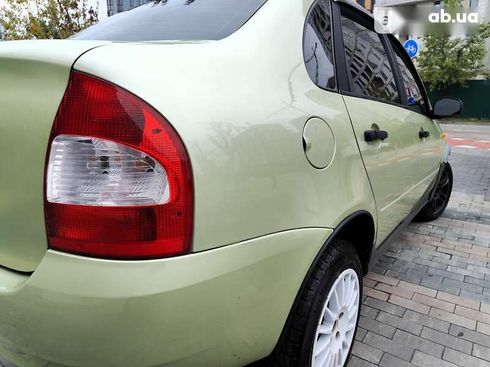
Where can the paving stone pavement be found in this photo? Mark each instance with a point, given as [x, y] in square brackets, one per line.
[427, 301]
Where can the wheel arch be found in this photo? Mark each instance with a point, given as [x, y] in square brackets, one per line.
[359, 230]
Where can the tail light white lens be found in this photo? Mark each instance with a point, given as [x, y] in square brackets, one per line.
[118, 178]
[92, 171]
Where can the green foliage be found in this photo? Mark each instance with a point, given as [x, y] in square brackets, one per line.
[41, 19]
[446, 61]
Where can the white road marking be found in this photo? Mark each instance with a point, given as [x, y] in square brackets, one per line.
[466, 131]
[465, 146]
[483, 141]
[457, 139]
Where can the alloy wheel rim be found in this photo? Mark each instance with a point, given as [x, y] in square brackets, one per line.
[441, 193]
[337, 324]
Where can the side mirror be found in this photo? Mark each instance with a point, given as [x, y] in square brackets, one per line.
[447, 107]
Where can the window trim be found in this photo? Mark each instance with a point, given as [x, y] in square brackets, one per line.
[334, 58]
[411, 67]
[345, 77]
[402, 93]
[338, 44]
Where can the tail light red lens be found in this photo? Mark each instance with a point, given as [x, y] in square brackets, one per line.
[118, 178]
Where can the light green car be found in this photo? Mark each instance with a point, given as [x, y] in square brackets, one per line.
[212, 201]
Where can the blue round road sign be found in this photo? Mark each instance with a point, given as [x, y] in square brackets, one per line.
[412, 48]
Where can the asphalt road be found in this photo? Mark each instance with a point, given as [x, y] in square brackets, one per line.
[468, 136]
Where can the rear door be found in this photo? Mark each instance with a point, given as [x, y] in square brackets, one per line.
[431, 150]
[375, 102]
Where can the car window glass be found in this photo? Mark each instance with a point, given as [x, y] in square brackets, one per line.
[368, 63]
[183, 20]
[415, 99]
[318, 46]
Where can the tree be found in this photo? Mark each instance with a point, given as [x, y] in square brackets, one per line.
[41, 19]
[446, 60]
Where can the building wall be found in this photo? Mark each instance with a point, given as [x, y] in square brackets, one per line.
[484, 14]
[484, 9]
[118, 6]
[366, 4]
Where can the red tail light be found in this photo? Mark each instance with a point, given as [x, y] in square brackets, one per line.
[118, 178]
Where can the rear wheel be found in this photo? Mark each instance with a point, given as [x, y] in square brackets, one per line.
[436, 206]
[322, 325]
[337, 323]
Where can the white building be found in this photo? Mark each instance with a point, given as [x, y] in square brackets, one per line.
[118, 6]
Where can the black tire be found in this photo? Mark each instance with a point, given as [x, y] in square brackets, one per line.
[435, 207]
[295, 346]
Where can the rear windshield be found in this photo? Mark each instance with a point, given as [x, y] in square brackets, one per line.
[184, 20]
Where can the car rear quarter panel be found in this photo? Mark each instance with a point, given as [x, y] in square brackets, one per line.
[33, 78]
[240, 106]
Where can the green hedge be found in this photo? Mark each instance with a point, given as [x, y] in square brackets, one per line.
[475, 96]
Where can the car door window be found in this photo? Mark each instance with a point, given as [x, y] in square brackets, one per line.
[415, 96]
[317, 46]
[370, 70]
